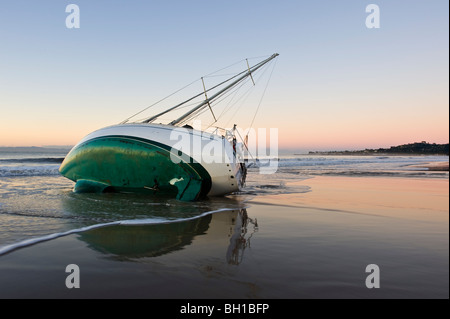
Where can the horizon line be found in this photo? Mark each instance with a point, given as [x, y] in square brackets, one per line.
[285, 149]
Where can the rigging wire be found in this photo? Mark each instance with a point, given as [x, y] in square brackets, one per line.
[229, 105]
[234, 92]
[151, 119]
[200, 111]
[184, 87]
[264, 92]
[222, 97]
[245, 97]
[127, 119]
[224, 68]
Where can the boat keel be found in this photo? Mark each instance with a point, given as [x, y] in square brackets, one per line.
[88, 186]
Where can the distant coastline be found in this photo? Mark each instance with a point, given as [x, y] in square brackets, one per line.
[35, 149]
[422, 148]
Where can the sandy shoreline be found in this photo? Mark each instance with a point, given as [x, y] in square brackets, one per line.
[433, 166]
[381, 196]
[309, 245]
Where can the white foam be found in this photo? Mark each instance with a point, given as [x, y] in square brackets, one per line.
[32, 241]
[31, 170]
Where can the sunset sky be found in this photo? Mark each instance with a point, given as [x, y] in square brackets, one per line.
[336, 85]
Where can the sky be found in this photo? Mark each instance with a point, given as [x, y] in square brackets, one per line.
[337, 84]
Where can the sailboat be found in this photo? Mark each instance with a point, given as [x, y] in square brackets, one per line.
[174, 159]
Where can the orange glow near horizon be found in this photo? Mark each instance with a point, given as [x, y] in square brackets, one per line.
[310, 136]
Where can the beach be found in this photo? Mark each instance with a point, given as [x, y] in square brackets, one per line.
[434, 166]
[313, 244]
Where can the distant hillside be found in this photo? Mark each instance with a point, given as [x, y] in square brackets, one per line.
[422, 148]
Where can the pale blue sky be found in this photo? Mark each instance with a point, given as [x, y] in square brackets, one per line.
[337, 84]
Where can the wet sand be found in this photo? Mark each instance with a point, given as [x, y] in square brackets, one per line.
[311, 245]
[433, 166]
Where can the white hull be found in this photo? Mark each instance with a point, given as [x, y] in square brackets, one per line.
[215, 153]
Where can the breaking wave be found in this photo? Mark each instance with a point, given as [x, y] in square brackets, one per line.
[29, 170]
[47, 160]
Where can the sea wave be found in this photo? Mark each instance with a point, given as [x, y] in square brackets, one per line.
[363, 163]
[42, 160]
[336, 161]
[30, 170]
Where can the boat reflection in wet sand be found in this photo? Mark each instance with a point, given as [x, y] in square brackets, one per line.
[131, 242]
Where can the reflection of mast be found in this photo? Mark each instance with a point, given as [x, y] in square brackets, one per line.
[239, 240]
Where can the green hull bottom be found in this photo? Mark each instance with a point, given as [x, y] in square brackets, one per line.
[125, 164]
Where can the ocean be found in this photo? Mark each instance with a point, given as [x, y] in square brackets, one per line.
[38, 206]
[35, 200]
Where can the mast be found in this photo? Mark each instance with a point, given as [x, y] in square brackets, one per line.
[208, 100]
[151, 119]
